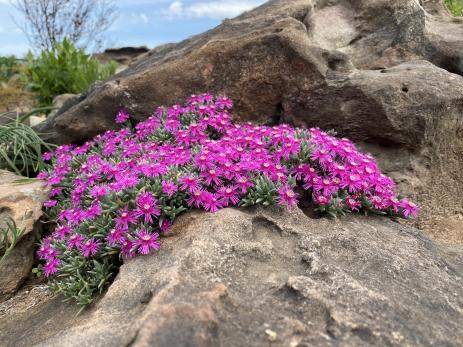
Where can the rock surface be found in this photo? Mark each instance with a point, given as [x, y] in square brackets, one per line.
[122, 55]
[294, 57]
[260, 277]
[385, 73]
[22, 203]
[63, 102]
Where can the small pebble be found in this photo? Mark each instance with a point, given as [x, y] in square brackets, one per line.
[272, 336]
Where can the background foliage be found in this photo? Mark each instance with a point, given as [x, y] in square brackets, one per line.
[455, 6]
[9, 67]
[66, 69]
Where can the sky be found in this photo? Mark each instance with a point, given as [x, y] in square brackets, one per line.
[140, 22]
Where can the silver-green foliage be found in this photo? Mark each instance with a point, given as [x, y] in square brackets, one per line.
[9, 237]
[21, 148]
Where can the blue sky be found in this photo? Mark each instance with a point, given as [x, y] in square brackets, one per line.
[140, 22]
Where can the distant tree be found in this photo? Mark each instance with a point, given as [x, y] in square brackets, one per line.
[47, 23]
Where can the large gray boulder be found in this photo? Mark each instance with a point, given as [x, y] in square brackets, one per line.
[260, 277]
[292, 58]
[385, 73]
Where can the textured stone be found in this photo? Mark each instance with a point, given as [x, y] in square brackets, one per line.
[254, 276]
[21, 202]
[63, 102]
[281, 55]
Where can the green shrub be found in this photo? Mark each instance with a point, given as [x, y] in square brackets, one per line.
[455, 6]
[21, 148]
[65, 69]
[9, 67]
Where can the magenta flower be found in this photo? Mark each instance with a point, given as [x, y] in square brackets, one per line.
[122, 117]
[55, 192]
[115, 236]
[377, 202]
[165, 225]
[211, 176]
[90, 247]
[47, 252]
[409, 208]
[394, 203]
[146, 241]
[189, 183]
[286, 196]
[196, 198]
[302, 171]
[42, 175]
[223, 102]
[124, 218]
[93, 211]
[51, 267]
[147, 207]
[325, 186]
[321, 200]
[47, 156]
[75, 241]
[125, 180]
[211, 202]
[353, 203]
[169, 188]
[61, 231]
[353, 182]
[228, 195]
[100, 190]
[243, 183]
[127, 249]
[321, 155]
[50, 203]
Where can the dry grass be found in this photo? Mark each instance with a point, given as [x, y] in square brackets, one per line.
[14, 98]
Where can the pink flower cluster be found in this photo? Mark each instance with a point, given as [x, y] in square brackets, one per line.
[118, 191]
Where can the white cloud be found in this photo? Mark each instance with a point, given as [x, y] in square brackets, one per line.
[211, 9]
[220, 9]
[176, 8]
[137, 18]
[144, 18]
[131, 3]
